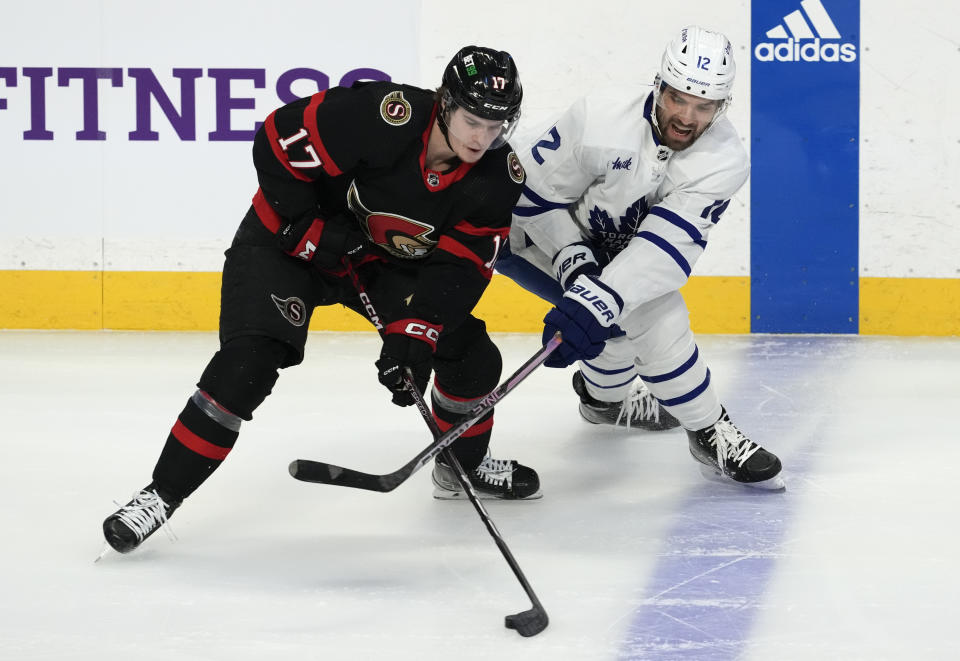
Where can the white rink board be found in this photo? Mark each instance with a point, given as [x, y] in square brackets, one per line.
[173, 205]
[166, 204]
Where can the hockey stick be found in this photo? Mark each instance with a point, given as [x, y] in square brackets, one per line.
[526, 623]
[323, 473]
[529, 622]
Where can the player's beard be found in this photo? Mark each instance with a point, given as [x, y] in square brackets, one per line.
[673, 136]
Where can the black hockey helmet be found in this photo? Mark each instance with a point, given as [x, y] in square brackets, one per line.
[484, 82]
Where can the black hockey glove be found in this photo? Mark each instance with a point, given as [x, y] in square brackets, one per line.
[407, 343]
[585, 318]
[323, 242]
[573, 261]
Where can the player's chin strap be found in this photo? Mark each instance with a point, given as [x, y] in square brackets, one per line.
[442, 123]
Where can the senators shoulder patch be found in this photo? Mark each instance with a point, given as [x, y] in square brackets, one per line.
[515, 169]
[395, 109]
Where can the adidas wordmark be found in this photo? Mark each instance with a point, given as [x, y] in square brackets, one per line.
[804, 41]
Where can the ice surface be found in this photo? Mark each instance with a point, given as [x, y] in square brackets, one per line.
[633, 554]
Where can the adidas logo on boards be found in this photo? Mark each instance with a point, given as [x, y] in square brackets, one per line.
[806, 42]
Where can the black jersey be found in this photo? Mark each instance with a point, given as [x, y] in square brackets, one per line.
[362, 150]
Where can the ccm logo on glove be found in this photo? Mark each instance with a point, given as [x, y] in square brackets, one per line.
[417, 328]
[407, 343]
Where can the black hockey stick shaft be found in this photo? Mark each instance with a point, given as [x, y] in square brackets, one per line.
[529, 622]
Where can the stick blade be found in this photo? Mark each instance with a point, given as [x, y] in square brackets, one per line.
[528, 623]
[319, 472]
[314, 471]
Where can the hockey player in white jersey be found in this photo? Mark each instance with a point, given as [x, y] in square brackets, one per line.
[620, 199]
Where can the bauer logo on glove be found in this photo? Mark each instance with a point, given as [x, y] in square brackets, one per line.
[573, 261]
[585, 318]
[594, 298]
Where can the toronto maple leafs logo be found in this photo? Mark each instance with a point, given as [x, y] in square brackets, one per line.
[635, 214]
[610, 236]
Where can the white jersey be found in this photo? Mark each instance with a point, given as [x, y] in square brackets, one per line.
[600, 176]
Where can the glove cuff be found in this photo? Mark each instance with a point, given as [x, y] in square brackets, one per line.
[601, 301]
[306, 247]
[417, 329]
[573, 261]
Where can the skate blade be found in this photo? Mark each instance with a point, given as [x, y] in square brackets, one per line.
[445, 494]
[775, 483]
[641, 425]
[105, 551]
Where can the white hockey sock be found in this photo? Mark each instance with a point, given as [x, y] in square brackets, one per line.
[683, 385]
[607, 382]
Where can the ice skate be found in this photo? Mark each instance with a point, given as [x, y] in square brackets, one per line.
[126, 528]
[503, 479]
[727, 455]
[638, 409]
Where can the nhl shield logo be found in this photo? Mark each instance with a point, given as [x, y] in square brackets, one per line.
[433, 179]
[395, 109]
[292, 309]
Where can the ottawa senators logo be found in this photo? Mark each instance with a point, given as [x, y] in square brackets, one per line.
[395, 109]
[515, 169]
[400, 236]
[291, 308]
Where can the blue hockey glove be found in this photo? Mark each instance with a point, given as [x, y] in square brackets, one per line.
[573, 261]
[585, 317]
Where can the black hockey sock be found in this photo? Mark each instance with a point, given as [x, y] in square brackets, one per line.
[200, 440]
[472, 446]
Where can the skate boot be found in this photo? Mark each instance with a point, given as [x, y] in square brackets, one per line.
[726, 454]
[638, 409]
[494, 478]
[126, 528]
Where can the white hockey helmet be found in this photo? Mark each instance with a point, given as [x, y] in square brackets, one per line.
[697, 62]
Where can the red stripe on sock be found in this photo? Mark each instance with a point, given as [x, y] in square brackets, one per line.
[479, 428]
[201, 446]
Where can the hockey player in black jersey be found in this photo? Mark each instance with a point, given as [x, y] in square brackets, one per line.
[410, 192]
